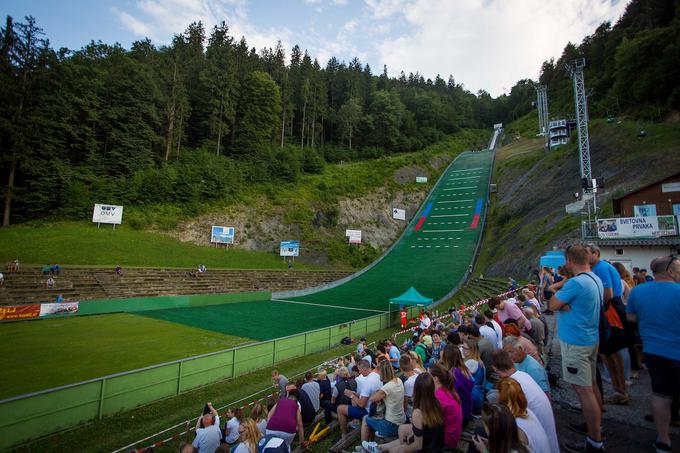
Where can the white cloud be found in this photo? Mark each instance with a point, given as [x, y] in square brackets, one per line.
[136, 26]
[340, 2]
[350, 26]
[161, 19]
[485, 44]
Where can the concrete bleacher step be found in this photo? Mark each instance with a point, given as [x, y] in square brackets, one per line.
[77, 283]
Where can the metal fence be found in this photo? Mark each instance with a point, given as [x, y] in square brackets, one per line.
[36, 414]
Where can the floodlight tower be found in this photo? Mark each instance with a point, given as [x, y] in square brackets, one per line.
[542, 106]
[575, 69]
[546, 117]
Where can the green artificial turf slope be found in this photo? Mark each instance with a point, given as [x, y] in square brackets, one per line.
[434, 258]
[49, 353]
[262, 320]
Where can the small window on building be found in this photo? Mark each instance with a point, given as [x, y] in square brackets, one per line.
[619, 252]
[644, 210]
[676, 208]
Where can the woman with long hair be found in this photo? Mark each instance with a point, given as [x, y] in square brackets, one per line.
[235, 415]
[474, 363]
[632, 333]
[452, 360]
[425, 434]
[626, 280]
[501, 432]
[249, 436]
[259, 414]
[529, 427]
[392, 393]
[418, 366]
[445, 392]
[547, 279]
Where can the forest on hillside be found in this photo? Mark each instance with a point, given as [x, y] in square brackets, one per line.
[203, 117]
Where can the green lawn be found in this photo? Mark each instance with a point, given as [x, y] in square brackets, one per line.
[49, 353]
[82, 243]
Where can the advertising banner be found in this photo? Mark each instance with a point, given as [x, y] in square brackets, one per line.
[289, 248]
[19, 312]
[354, 236]
[222, 235]
[421, 178]
[107, 213]
[636, 227]
[61, 308]
[398, 214]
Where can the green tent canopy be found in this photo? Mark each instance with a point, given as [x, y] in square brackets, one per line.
[411, 297]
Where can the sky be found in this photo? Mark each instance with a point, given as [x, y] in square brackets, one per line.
[484, 44]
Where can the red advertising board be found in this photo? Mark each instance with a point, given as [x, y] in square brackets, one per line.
[19, 312]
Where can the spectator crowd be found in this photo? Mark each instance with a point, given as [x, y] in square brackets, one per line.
[486, 372]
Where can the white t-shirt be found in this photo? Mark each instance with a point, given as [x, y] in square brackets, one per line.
[231, 434]
[535, 303]
[262, 426]
[208, 439]
[394, 401]
[409, 384]
[490, 334]
[499, 332]
[372, 384]
[539, 404]
[242, 448]
[538, 440]
[425, 323]
[314, 392]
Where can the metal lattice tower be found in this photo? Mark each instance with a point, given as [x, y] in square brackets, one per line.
[575, 69]
[546, 117]
[539, 107]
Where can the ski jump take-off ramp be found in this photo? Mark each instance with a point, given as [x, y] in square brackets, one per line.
[434, 254]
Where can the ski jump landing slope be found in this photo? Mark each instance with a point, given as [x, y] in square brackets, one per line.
[435, 251]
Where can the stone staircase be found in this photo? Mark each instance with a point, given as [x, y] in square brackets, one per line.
[83, 283]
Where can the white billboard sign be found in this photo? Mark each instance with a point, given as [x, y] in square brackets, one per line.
[222, 235]
[354, 236]
[421, 179]
[107, 213]
[289, 248]
[636, 227]
[398, 214]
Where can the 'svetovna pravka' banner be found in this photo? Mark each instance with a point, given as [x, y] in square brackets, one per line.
[636, 227]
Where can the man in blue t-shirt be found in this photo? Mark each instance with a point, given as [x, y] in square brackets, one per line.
[619, 338]
[577, 306]
[656, 308]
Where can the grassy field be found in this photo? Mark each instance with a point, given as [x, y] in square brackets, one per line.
[81, 243]
[121, 429]
[49, 353]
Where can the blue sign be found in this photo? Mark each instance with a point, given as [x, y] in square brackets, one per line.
[289, 248]
[222, 235]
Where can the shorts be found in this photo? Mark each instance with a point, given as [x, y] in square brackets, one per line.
[665, 375]
[579, 363]
[384, 427]
[356, 412]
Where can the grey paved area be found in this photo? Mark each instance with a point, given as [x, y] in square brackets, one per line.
[624, 426]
